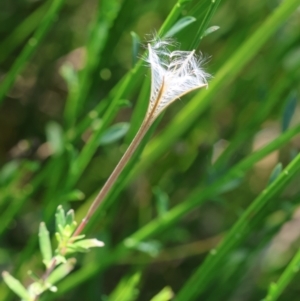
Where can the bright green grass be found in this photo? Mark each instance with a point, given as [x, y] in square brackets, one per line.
[173, 192]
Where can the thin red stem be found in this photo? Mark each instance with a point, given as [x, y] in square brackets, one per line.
[114, 175]
[150, 117]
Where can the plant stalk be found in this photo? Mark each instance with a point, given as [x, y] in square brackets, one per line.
[115, 174]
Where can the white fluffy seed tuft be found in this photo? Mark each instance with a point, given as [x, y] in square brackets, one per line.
[173, 74]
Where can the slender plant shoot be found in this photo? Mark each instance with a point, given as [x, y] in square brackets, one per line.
[173, 74]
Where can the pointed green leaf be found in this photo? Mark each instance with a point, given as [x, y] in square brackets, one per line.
[136, 41]
[62, 271]
[70, 222]
[70, 217]
[179, 25]
[75, 195]
[86, 244]
[60, 259]
[114, 133]
[149, 247]
[165, 294]
[275, 173]
[55, 137]
[78, 237]
[16, 286]
[8, 171]
[289, 110]
[76, 249]
[210, 30]
[60, 218]
[127, 288]
[58, 237]
[124, 103]
[70, 76]
[162, 201]
[45, 244]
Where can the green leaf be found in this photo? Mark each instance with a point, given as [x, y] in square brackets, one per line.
[60, 259]
[31, 46]
[54, 135]
[86, 244]
[289, 110]
[78, 237]
[70, 217]
[70, 76]
[124, 103]
[16, 286]
[290, 272]
[114, 133]
[60, 219]
[8, 171]
[209, 12]
[136, 41]
[24, 29]
[162, 201]
[68, 230]
[62, 271]
[70, 221]
[210, 30]
[74, 195]
[45, 244]
[237, 234]
[229, 186]
[275, 173]
[179, 25]
[151, 248]
[164, 295]
[126, 289]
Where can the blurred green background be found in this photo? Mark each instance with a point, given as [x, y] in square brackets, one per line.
[74, 92]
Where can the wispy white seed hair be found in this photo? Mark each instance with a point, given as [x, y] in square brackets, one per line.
[173, 74]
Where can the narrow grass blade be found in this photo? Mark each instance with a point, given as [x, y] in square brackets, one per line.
[205, 273]
[203, 27]
[179, 25]
[195, 199]
[289, 110]
[126, 289]
[136, 41]
[30, 47]
[23, 31]
[185, 118]
[54, 134]
[276, 289]
[107, 11]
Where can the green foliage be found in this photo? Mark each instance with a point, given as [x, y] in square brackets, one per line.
[59, 266]
[164, 295]
[45, 245]
[222, 162]
[16, 286]
[126, 289]
[276, 289]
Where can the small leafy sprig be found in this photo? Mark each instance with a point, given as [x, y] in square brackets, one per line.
[57, 263]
